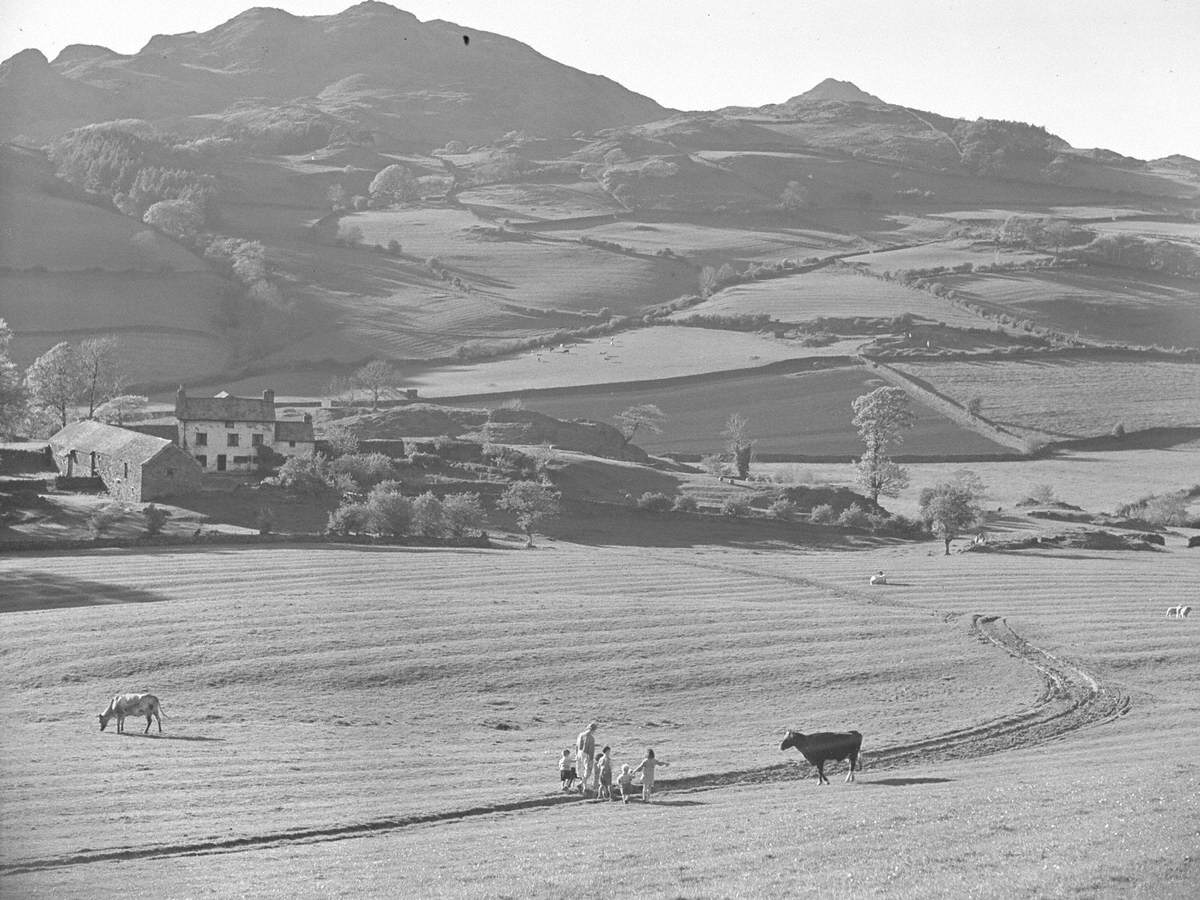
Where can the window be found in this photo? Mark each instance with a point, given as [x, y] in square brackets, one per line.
[231, 440]
[201, 438]
[228, 424]
[291, 444]
[256, 440]
[241, 459]
[170, 472]
[203, 460]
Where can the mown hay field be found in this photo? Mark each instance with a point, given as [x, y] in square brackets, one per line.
[834, 293]
[313, 692]
[1072, 397]
[948, 254]
[1139, 308]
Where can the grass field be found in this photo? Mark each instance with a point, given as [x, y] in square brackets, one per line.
[827, 292]
[321, 702]
[802, 412]
[1137, 308]
[946, 253]
[1072, 397]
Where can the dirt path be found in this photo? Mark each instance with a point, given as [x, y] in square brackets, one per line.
[1071, 698]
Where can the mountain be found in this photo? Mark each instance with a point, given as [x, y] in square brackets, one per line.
[832, 89]
[371, 68]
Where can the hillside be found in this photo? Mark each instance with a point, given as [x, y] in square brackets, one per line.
[218, 199]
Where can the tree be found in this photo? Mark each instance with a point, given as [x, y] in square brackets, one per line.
[463, 513]
[881, 416]
[13, 401]
[376, 377]
[948, 508]
[393, 184]
[338, 198]
[117, 409]
[55, 380]
[644, 415]
[100, 371]
[795, 197]
[739, 443]
[531, 502]
[708, 281]
[181, 219]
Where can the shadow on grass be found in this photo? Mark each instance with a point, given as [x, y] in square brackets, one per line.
[674, 803]
[24, 591]
[908, 782]
[168, 737]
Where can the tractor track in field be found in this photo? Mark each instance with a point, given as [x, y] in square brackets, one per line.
[1071, 698]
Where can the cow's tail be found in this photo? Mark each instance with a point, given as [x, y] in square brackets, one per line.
[162, 712]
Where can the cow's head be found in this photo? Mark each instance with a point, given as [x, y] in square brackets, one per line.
[792, 739]
[103, 721]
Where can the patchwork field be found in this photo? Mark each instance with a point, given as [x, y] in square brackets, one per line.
[1072, 397]
[830, 292]
[947, 253]
[383, 717]
[1139, 308]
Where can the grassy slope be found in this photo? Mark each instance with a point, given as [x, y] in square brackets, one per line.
[1073, 397]
[705, 656]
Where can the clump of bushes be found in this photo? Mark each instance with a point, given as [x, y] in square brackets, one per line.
[155, 518]
[854, 516]
[823, 514]
[782, 509]
[102, 519]
[735, 507]
[685, 503]
[654, 501]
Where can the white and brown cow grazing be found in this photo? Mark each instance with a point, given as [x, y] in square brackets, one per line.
[1178, 612]
[1172, 612]
[1184, 611]
[136, 705]
[826, 745]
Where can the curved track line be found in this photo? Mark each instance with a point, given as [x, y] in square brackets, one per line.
[1071, 698]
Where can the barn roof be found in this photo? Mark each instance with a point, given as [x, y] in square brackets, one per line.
[88, 436]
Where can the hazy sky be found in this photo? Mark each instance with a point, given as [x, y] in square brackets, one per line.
[1121, 74]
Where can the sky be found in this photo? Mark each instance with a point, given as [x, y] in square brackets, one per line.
[1120, 74]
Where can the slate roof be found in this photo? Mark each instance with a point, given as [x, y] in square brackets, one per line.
[88, 436]
[224, 409]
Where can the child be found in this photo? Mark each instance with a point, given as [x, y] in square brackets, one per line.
[647, 767]
[604, 764]
[566, 770]
[625, 783]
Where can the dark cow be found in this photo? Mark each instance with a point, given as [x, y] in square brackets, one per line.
[826, 745]
[1194, 540]
[136, 705]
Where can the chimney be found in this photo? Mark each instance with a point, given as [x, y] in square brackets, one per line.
[269, 396]
[180, 402]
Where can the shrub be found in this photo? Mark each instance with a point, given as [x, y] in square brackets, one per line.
[735, 506]
[342, 441]
[823, 514]
[1119, 430]
[393, 247]
[685, 503]
[264, 521]
[653, 501]
[388, 511]
[349, 518]
[104, 518]
[463, 514]
[714, 464]
[155, 518]
[1043, 494]
[782, 509]
[429, 518]
[367, 469]
[305, 474]
[854, 516]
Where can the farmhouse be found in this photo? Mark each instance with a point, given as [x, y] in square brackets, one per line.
[133, 466]
[227, 434]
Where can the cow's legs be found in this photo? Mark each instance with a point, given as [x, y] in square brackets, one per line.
[821, 779]
[147, 731]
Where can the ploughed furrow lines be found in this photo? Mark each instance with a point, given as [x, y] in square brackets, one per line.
[1072, 698]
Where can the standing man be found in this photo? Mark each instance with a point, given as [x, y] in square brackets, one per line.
[585, 758]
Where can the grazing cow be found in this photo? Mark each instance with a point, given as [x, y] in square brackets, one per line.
[825, 745]
[1184, 611]
[1194, 540]
[1172, 612]
[136, 705]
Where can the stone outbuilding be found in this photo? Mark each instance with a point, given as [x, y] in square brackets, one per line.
[134, 467]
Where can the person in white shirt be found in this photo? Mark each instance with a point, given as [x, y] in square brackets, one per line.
[647, 767]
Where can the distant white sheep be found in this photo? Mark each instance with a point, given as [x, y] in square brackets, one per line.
[879, 578]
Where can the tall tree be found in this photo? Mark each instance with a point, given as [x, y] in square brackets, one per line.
[633, 418]
[739, 443]
[881, 418]
[100, 371]
[531, 502]
[13, 402]
[376, 377]
[949, 508]
[393, 184]
[117, 409]
[55, 380]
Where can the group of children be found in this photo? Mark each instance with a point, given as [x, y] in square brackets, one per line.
[601, 773]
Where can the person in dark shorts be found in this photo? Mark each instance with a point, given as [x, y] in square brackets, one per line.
[566, 770]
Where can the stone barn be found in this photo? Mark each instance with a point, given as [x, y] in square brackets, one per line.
[134, 467]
